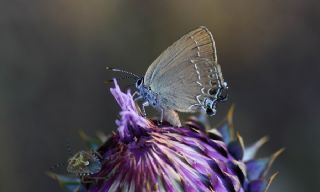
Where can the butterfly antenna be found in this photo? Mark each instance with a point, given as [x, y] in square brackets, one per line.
[122, 71]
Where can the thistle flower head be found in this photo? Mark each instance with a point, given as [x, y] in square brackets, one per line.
[142, 156]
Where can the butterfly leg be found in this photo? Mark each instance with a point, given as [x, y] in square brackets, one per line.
[161, 116]
[138, 98]
[134, 94]
[145, 104]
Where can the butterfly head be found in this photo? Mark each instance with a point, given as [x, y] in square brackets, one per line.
[84, 163]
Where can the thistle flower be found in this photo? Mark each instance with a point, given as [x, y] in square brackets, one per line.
[142, 156]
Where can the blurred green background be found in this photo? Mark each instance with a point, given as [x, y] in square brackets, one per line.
[53, 56]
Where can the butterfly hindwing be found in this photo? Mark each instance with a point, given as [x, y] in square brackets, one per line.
[185, 71]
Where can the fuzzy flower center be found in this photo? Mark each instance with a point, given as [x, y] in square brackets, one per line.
[131, 125]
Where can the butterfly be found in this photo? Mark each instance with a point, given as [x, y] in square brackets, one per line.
[186, 77]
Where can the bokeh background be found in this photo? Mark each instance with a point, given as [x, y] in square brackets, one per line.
[53, 56]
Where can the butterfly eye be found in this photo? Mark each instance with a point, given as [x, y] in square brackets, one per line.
[139, 82]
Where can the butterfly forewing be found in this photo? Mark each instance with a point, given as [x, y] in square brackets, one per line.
[185, 71]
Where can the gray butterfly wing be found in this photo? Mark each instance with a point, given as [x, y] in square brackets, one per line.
[197, 43]
[184, 73]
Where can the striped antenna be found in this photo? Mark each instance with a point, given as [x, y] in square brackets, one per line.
[122, 71]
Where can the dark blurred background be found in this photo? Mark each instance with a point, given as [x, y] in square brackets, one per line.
[53, 56]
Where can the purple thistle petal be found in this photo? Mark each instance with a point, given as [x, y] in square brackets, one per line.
[131, 124]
